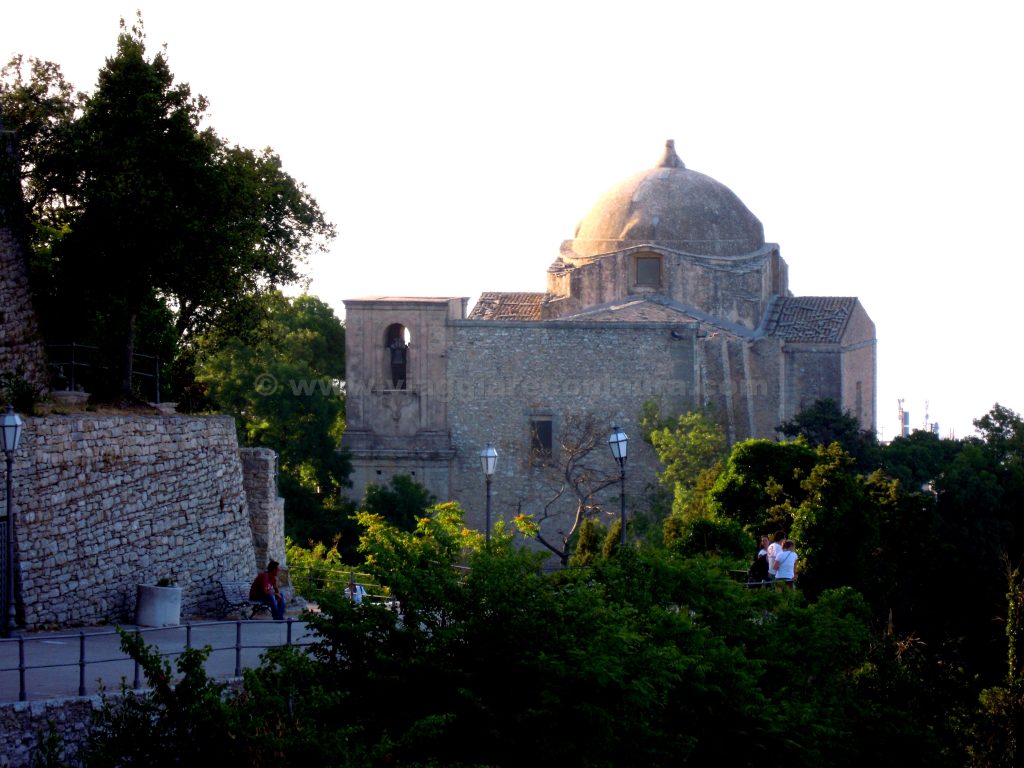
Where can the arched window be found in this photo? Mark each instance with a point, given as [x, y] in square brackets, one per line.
[396, 344]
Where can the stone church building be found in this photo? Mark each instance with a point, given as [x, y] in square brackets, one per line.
[667, 292]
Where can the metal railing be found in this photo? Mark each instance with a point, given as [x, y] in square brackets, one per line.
[325, 578]
[68, 363]
[330, 578]
[57, 665]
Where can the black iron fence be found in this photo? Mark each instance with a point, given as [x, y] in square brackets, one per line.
[81, 663]
[77, 367]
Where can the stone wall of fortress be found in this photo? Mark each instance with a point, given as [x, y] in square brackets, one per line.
[266, 508]
[21, 346]
[105, 503]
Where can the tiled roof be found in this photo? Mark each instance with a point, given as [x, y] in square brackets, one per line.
[507, 306]
[633, 311]
[810, 318]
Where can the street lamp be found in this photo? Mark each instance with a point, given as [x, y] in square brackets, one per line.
[618, 441]
[10, 436]
[488, 460]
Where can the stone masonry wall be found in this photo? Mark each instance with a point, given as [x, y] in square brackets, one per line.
[266, 508]
[21, 346]
[501, 376]
[105, 503]
[22, 724]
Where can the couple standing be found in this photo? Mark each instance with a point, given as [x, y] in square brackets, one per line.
[782, 557]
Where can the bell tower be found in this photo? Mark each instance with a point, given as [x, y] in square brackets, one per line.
[396, 390]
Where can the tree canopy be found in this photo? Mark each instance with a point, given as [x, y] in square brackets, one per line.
[149, 223]
[637, 660]
[283, 385]
[638, 655]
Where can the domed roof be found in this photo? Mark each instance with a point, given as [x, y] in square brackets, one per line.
[670, 206]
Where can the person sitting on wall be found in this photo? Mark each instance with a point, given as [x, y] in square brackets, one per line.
[264, 589]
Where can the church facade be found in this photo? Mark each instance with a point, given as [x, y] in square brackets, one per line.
[667, 293]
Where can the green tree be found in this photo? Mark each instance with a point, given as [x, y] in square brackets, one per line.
[763, 484]
[187, 722]
[919, 459]
[401, 502]
[574, 475]
[636, 660]
[159, 213]
[825, 422]
[693, 449]
[1002, 430]
[835, 524]
[39, 104]
[419, 566]
[997, 733]
[283, 389]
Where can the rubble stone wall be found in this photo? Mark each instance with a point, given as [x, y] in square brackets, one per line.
[105, 503]
[21, 346]
[266, 508]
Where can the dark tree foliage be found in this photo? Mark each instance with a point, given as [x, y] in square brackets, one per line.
[401, 503]
[824, 422]
[637, 660]
[282, 386]
[38, 104]
[955, 511]
[725, 538]
[183, 723]
[763, 483]
[149, 226]
[834, 524]
[918, 459]
[925, 539]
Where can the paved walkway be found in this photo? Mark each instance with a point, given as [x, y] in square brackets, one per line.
[53, 665]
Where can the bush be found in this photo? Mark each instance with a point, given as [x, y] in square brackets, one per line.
[704, 536]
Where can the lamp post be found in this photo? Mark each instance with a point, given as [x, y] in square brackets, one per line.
[488, 460]
[618, 441]
[10, 436]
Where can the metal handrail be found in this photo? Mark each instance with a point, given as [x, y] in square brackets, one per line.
[83, 661]
[76, 362]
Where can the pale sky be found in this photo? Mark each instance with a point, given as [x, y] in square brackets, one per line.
[457, 144]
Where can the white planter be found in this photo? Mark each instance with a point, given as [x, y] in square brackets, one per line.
[158, 606]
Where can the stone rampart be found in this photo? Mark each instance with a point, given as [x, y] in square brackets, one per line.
[21, 346]
[105, 503]
[26, 724]
[266, 508]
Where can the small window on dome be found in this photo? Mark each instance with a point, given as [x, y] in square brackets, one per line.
[648, 271]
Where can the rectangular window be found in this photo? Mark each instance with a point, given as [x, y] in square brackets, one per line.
[648, 271]
[540, 439]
